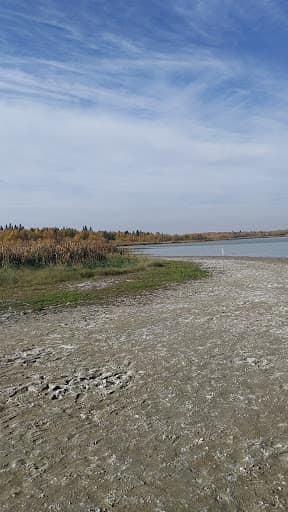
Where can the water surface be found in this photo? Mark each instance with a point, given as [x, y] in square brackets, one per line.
[274, 247]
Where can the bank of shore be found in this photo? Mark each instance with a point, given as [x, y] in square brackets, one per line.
[175, 400]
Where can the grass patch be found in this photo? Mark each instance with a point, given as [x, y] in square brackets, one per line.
[38, 288]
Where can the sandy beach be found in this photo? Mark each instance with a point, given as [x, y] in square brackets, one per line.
[172, 401]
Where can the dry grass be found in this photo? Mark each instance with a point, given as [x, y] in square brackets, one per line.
[43, 253]
[33, 273]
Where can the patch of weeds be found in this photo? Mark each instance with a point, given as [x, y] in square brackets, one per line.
[40, 288]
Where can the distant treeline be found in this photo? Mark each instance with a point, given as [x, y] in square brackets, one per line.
[18, 233]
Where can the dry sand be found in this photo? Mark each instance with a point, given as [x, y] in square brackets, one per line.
[172, 401]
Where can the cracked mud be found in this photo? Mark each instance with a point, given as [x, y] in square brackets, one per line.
[172, 401]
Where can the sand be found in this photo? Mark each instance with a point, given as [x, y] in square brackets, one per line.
[172, 401]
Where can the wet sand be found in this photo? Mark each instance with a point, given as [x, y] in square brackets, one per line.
[173, 401]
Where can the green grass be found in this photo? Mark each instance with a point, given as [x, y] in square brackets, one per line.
[38, 288]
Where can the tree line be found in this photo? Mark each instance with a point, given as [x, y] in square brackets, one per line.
[18, 233]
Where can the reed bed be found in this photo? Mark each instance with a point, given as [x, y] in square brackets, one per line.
[43, 253]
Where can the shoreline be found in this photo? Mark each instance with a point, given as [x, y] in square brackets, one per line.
[264, 259]
[204, 240]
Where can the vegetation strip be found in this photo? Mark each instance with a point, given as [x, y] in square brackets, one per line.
[17, 233]
[35, 288]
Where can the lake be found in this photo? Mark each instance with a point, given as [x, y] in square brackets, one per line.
[274, 247]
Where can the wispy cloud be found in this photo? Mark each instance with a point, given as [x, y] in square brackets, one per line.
[217, 19]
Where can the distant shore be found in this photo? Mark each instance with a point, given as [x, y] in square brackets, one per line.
[168, 242]
[12, 235]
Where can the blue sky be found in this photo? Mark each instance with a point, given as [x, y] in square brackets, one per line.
[168, 116]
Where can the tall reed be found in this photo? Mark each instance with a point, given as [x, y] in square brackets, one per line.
[42, 253]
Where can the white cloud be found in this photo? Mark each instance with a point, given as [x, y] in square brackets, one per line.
[74, 168]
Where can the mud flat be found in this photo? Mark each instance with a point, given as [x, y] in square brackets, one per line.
[173, 401]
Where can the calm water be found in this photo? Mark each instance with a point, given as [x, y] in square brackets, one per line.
[276, 247]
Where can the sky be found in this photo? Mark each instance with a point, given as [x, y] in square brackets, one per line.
[159, 115]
